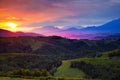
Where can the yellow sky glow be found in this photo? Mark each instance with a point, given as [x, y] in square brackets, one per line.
[9, 26]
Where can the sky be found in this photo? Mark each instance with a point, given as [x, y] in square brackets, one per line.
[29, 15]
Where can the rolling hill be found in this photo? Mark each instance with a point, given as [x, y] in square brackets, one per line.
[48, 52]
[100, 67]
[77, 67]
[6, 33]
[55, 45]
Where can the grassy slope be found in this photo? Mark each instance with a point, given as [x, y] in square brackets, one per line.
[65, 71]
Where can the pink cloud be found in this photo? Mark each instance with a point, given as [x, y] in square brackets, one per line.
[31, 11]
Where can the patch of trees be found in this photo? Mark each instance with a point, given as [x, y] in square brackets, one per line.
[11, 62]
[104, 72]
[26, 73]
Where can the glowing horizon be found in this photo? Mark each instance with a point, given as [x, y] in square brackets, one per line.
[31, 15]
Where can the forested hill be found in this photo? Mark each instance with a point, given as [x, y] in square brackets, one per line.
[45, 54]
[54, 45]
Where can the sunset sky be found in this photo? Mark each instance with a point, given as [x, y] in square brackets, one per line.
[28, 15]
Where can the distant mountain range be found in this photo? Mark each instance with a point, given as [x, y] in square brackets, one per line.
[108, 30]
[111, 27]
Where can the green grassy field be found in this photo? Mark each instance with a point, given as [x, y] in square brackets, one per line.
[65, 71]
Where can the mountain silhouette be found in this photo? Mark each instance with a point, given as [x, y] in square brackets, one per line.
[6, 33]
[112, 27]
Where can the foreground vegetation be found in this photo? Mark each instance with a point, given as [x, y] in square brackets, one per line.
[106, 67]
[43, 78]
[16, 61]
[38, 58]
[26, 73]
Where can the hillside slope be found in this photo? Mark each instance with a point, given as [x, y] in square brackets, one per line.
[76, 68]
[66, 71]
[7, 33]
[62, 47]
[100, 67]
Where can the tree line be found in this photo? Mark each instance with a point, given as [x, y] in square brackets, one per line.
[104, 72]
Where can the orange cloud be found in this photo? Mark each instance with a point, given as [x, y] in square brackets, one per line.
[58, 12]
[25, 12]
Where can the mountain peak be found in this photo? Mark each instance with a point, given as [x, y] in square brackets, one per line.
[112, 26]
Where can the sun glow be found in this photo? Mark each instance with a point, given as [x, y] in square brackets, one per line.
[12, 25]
